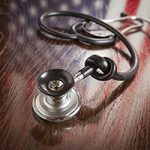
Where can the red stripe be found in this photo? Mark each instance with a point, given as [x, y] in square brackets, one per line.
[132, 6]
[144, 54]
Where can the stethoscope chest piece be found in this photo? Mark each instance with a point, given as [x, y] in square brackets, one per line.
[57, 99]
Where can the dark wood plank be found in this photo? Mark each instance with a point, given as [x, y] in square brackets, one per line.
[114, 115]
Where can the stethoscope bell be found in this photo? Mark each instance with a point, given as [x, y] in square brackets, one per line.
[57, 99]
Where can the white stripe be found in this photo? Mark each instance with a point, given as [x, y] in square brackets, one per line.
[115, 8]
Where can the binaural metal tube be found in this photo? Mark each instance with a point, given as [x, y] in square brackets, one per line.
[138, 25]
[83, 73]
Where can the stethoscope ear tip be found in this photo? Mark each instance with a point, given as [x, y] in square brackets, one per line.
[123, 14]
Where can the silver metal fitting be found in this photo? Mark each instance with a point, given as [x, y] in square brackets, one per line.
[57, 109]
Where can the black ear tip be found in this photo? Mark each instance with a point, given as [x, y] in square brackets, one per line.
[55, 82]
[123, 14]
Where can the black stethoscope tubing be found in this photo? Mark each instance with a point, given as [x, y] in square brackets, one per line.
[119, 75]
[79, 26]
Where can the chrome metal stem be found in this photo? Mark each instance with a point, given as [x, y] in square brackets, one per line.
[139, 23]
[78, 77]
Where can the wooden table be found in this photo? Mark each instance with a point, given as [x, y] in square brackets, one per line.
[114, 115]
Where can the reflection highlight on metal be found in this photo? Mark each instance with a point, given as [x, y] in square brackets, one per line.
[57, 109]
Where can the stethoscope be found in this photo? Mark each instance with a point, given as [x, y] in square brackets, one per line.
[58, 100]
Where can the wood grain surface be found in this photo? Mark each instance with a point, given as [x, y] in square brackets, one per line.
[114, 115]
